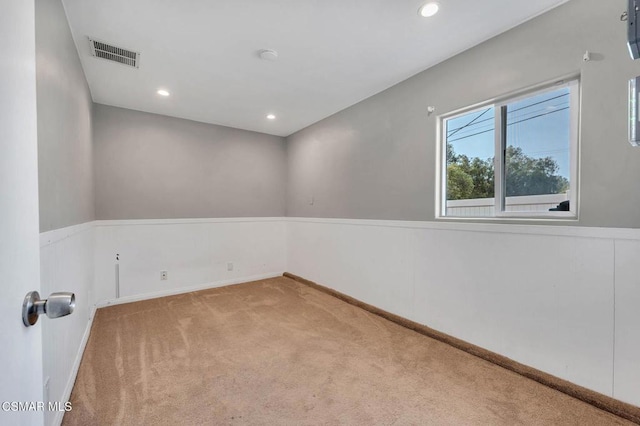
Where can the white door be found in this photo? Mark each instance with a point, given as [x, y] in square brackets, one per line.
[20, 347]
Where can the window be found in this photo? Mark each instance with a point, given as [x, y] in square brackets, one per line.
[513, 158]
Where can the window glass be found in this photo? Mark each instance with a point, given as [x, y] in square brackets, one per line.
[470, 141]
[537, 156]
[514, 158]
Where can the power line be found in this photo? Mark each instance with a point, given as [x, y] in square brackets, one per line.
[476, 126]
[538, 103]
[539, 115]
[510, 124]
[470, 123]
[465, 137]
[509, 112]
[477, 122]
[550, 151]
[489, 121]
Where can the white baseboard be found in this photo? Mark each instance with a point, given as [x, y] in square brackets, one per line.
[190, 221]
[66, 397]
[172, 292]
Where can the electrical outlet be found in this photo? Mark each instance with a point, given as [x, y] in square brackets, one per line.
[164, 275]
[229, 266]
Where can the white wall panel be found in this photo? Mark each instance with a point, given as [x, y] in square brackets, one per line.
[66, 264]
[627, 338]
[539, 295]
[193, 252]
[543, 296]
[585, 323]
[333, 254]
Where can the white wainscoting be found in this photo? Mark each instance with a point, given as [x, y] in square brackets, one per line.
[194, 252]
[561, 299]
[627, 321]
[66, 264]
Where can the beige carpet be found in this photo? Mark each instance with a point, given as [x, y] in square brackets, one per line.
[279, 352]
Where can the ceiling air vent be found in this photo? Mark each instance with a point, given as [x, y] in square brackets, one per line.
[100, 49]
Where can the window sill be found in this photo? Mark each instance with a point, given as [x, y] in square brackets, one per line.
[512, 218]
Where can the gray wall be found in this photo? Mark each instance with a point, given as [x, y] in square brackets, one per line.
[376, 160]
[65, 159]
[150, 166]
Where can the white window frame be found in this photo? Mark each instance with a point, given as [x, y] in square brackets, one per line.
[573, 83]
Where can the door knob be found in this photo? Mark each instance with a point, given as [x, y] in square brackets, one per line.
[57, 305]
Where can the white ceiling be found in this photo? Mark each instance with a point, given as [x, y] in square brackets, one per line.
[332, 53]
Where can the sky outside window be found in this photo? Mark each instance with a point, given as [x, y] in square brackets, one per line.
[539, 125]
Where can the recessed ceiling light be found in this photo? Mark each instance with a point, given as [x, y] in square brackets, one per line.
[163, 92]
[429, 9]
[271, 117]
